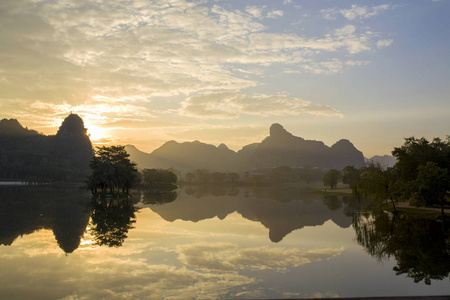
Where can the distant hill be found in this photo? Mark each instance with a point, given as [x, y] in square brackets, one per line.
[280, 148]
[30, 156]
[385, 161]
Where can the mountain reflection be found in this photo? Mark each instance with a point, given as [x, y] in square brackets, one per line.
[421, 247]
[24, 210]
[281, 210]
[68, 211]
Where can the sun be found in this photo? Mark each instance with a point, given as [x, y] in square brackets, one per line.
[95, 133]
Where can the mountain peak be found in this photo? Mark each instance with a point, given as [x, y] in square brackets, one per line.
[222, 147]
[73, 125]
[278, 130]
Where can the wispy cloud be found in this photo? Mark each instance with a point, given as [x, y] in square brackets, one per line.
[355, 12]
[227, 105]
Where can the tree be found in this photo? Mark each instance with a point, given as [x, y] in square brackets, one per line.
[159, 177]
[418, 152]
[112, 168]
[423, 170]
[234, 177]
[218, 177]
[331, 178]
[190, 176]
[433, 184]
[350, 175]
[378, 185]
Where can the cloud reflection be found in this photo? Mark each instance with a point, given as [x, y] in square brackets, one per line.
[229, 257]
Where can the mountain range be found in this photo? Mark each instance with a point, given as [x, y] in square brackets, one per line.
[280, 148]
[26, 153]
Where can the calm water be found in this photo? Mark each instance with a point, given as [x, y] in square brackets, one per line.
[56, 243]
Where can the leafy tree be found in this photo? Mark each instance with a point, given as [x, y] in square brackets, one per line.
[423, 170]
[378, 185]
[350, 175]
[433, 184]
[331, 178]
[112, 168]
[418, 152]
[159, 177]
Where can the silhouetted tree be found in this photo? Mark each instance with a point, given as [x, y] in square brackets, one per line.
[378, 184]
[112, 168]
[159, 177]
[190, 176]
[234, 177]
[331, 178]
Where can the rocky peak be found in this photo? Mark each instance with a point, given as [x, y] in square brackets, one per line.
[276, 130]
[73, 125]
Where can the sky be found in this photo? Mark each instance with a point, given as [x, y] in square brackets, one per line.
[146, 72]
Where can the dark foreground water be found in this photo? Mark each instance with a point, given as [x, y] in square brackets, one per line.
[197, 243]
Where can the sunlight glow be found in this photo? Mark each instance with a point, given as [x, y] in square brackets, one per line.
[95, 133]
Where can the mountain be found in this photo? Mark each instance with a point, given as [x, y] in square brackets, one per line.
[28, 155]
[186, 157]
[280, 148]
[12, 127]
[385, 161]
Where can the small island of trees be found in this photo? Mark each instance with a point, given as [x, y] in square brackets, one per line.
[114, 173]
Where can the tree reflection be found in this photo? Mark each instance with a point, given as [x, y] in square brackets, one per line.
[110, 221]
[156, 196]
[421, 247]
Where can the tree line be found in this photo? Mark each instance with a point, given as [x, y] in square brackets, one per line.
[420, 176]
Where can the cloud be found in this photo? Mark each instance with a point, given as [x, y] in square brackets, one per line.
[275, 14]
[230, 105]
[330, 67]
[109, 59]
[355, 12]
[384, 43]
[229, 257]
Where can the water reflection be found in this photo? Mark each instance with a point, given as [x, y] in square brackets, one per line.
[24, 210]
[281, 210]
[67, 211]
[421, 247]
[199, 242]
[111, 219]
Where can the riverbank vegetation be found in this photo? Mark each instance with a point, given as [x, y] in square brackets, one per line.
[420, 177]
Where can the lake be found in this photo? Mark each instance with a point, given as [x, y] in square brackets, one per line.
[208, 243]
